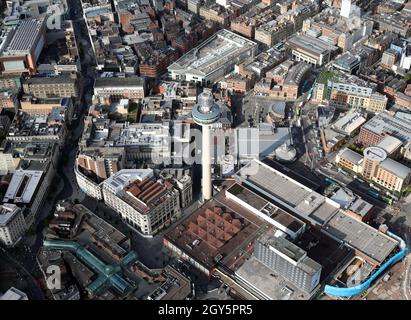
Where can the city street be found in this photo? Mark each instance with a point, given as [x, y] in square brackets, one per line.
[23, 257]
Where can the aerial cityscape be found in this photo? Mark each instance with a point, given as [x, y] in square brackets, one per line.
[205, 150]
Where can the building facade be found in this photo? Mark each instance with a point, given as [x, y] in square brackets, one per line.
[144, 202]
[90, 187]
[375, 166]
[12, 224]
[108, 90]
[24, 45]
[289, 261]
[54, 87]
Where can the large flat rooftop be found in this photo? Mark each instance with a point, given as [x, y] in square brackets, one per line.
[213, 53]
[396, 126]
[263, 207]
[268, 285]
[117, 82]
[7, 212]
[287, 193]
[313, 207]
[23, 186]
[154, 134]
[361, 236]
[61, 79]
[311, 45]
[25, 37]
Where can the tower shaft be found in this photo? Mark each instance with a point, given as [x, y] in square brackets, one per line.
[206, 162]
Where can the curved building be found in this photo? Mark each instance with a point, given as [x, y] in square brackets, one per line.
[87, 185]
[373, 156]
[205, 113]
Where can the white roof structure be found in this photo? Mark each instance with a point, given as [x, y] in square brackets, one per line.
[294, 196]
[7, 212]
[213, 54]
[390, 144]
[23, 186]
[351, 156]
[155, 134]
[349, 123]
[125, 177]
[14, 295]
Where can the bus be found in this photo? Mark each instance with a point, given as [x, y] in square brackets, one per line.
[375, 194]
[304, 85]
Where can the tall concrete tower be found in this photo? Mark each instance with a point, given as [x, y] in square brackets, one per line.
[346, 8]
[205, 113]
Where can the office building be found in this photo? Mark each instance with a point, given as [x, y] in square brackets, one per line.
[182, 181]
[272, 32]
[144, 202]
[10, 81]
[144, 141]
[13, 294]
[43, 107]
[349, 124]
[194, 6]
[91, 186]
[215, 13]
[347, 62]
[397, 22]
[389, 58]
[288, 260]
[28, 189]
[311, 50]
[343, 31]
[385, 124]
[12, 224]
[102, 162]
[108, 90]
[94, 165]
[375, 166]
[346, 8]
[62, 86]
